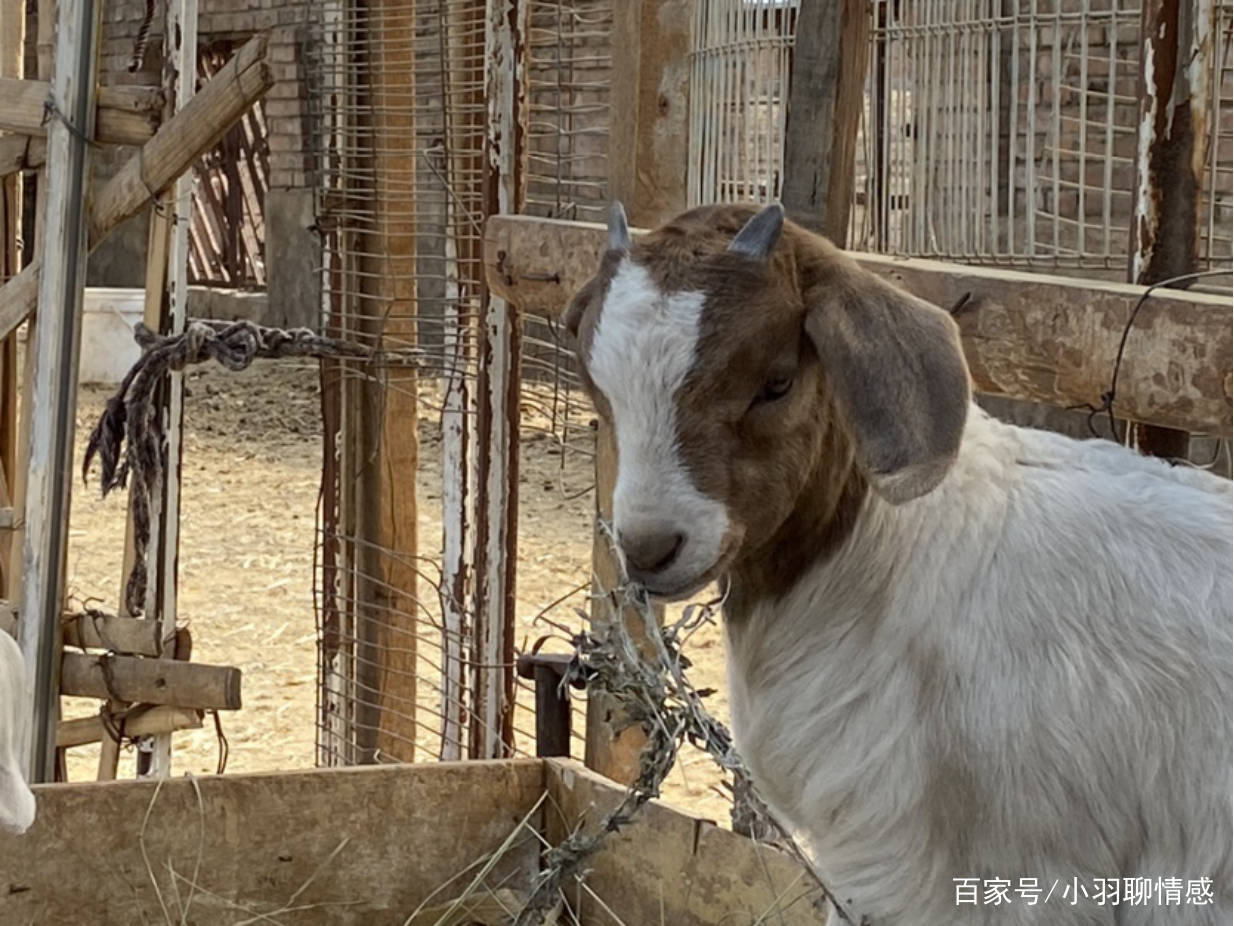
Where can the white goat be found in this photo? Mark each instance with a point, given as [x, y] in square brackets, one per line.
[957, 649]
[16, 800]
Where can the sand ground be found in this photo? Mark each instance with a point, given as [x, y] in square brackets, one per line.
[252, 466]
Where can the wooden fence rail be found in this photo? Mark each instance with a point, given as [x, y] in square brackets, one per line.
[1037, 337]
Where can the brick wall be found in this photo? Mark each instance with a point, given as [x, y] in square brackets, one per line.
[291, 256]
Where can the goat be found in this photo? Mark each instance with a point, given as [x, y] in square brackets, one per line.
[956, 649]
[16, 800]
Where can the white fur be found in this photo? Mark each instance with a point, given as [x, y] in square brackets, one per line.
[16, 801]
[644, 344]
[1075, 600]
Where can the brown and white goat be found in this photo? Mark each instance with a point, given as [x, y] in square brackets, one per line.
[957, 649]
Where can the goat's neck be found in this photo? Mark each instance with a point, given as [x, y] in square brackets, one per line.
[824, 516]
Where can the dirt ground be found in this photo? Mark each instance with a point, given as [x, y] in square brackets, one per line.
[252, 464]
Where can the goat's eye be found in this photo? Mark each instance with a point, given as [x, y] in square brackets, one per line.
[775, 388]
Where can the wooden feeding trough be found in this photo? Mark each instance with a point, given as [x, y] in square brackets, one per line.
[371, 845]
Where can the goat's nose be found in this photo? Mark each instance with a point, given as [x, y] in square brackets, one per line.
[651, 548]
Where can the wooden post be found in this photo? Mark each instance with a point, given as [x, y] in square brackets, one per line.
[12, 41]
[650, 108]
[1176, 42]
[648, 146]
[55, 348]
[386, 441]
[497, 389]
[827, 79]
[464, 283]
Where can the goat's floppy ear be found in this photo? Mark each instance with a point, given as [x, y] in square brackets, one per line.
[898, 375]
[618, 228]
[759, 235]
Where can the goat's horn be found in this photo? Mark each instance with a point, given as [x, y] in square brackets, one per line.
[618, 228]
[759, 235]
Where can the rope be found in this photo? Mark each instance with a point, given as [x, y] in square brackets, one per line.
[129, 437]
[143, 36]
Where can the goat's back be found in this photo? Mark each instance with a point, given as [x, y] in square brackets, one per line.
[1025, 673]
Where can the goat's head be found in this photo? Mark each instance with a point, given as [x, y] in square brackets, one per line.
[741, 360]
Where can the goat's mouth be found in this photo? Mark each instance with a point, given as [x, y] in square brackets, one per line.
[671, 588]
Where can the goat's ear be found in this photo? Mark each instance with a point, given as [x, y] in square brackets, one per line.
[574, 316]
[618, 228]
[759, 235]
[898, 375]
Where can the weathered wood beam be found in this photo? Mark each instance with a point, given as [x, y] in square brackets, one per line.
[124, 115]
[826, 83]
[139, 720]
[54, 347]
[151, 681]
[21, 152]
[649, 104]
[127, 635]
[1032, 336]
[172, 151]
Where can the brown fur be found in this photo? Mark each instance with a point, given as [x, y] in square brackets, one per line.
[791, 472]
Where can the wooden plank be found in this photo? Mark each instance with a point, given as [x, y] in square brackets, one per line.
[152, 681]
[1030, 336]
[341, 847]
[55, 345]
[139, 720]
[649, 107]
[827, 79]
[670, 867]
[124, 115]
[168, 154]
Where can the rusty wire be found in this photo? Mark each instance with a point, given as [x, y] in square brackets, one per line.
[656, 695]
